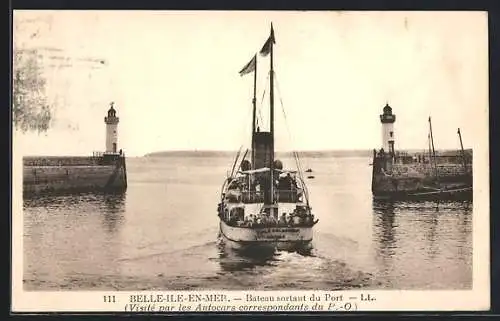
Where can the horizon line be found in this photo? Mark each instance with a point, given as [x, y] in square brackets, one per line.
[296, 150]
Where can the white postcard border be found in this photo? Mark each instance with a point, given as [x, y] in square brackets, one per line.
[476, 299]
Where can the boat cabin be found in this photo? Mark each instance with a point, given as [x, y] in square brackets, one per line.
[243, 202]
[250, 186]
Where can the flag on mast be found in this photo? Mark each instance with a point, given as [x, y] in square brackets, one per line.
[266, 49]
[249, 67]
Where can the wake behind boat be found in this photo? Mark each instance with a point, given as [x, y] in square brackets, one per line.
[261, 203]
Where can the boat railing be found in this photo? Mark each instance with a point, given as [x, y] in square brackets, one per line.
[287, 196]
[283, 196]
[252, 196]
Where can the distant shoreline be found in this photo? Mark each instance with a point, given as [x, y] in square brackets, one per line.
[319, 153]
[286, 154]
[213, 153]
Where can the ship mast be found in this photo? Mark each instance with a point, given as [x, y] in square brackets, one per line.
[462, 150]
[433, 150]
[430, 149]
[271, 110]
[254, 103]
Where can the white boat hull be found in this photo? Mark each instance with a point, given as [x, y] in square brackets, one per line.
[280, 238]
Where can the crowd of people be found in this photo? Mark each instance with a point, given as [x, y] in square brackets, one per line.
[299, 217]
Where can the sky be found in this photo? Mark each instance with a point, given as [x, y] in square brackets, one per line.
[173, 77]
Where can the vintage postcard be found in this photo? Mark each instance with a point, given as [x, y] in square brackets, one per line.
[201, 161]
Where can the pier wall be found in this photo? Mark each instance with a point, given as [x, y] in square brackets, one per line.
[425, 170]
[415, 174]
[54, 175]
[62, 160]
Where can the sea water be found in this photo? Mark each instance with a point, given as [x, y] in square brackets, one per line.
[162, 234]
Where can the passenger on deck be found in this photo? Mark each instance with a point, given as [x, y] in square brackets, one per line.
[294, 184]
[251, 220]
[281, 183]
[232, 220]
[291, 181]
[282, 220]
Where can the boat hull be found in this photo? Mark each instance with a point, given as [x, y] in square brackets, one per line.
[279, 238]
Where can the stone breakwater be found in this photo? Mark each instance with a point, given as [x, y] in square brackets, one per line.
[409, 176]
[61, 160]
[54, 175]
[425, 170]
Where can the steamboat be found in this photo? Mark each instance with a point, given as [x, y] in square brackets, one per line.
[261, 203]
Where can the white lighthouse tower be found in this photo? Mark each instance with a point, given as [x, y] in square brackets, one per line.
[111, 131]
[387, 119]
